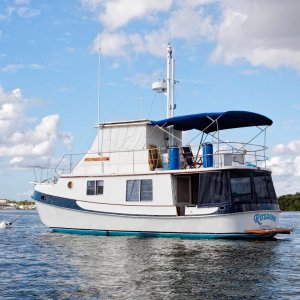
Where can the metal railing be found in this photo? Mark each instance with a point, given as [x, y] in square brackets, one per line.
[154, 159]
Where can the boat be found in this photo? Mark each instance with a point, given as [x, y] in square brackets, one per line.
[3, 224]
[140, 179]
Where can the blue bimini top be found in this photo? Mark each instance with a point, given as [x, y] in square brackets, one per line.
[214, 121]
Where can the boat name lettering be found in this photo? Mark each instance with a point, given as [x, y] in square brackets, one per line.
[258, 218]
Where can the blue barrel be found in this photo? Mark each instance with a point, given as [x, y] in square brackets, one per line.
[174, 158]
[208, 158]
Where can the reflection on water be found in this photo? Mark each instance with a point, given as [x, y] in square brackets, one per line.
[48, 265]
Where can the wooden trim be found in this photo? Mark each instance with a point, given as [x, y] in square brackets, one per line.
[268, 231]
[102, 158]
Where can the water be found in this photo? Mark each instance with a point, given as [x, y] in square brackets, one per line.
[38, 264]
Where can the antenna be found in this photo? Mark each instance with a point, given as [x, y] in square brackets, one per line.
[141, 107]
[98, 91]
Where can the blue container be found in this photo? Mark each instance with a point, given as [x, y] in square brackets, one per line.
[174, 158]
[208, 158]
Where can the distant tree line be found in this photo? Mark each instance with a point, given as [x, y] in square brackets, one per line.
[289, 202]
[24, 202]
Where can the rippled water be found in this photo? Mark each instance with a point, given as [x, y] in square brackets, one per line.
[38, 264]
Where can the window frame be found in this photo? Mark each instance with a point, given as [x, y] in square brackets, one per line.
[140, 193]
[94, 191]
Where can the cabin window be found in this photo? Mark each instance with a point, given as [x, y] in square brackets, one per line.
[261, 188]
[99, 187]
[94, 187]
[241, 190]
[264, 187]
[213, 189]
[146, 190]
[90, 188]
[139, 190]
[271, 189]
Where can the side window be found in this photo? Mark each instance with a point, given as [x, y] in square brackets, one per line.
[90, 189]
[133, 190]
[94, 187]
[139, 190]
[146, 190]
[99, 187]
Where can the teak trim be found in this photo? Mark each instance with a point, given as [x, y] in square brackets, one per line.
[102, 158]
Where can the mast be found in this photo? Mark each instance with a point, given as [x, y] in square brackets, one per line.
[170, 83]
[167, 87]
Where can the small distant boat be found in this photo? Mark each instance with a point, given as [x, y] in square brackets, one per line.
[139, 178]
[5, 224]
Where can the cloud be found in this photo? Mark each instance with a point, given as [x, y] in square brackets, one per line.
[66, 138]
[12, 68]
[185, 21]
[114, 44]
[20, 142]
[189, 22]
[144, 79]
[293, 147]
[264, 33]
[118, 13]
[115, 14]
[285, 165]
[21, 8]
[26, 12]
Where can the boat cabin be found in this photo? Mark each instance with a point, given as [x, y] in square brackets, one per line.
[143, 157]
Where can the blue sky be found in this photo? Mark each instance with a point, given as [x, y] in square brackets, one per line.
[230, 55]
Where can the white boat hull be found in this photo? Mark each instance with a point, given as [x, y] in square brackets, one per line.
[210, 226]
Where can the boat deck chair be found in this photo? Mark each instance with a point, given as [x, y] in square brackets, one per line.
[189, 159]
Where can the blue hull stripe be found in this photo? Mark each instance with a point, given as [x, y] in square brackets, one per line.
[163, 234]
[72, 204]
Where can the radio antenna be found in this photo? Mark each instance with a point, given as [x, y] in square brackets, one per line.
[98, 91]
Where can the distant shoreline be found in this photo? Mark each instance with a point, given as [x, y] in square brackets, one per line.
[18, 205]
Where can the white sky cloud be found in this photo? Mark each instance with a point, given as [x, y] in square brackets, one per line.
[18, 140]
[114, 14]
[285, 165]
[26, 12]
[20, 8]
[118, 13]
[263, 33]
[145, 79]
[12, 68]
[293, 147]
[185, 21]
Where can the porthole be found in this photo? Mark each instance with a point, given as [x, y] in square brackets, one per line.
[70, 184]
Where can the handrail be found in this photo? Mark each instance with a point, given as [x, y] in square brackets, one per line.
[227, 154]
